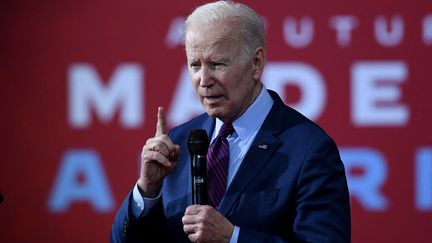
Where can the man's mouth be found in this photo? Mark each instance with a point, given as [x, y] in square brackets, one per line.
[213, 97]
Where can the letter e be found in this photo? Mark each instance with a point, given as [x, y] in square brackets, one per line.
[374, 93]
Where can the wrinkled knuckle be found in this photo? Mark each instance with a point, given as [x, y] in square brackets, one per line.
[203, 214]
[164, 149]
[187, 210]
[205, 221]
[144, 156]
[191, 237]
[198, 217]
[148, 141]
[156, 147]
[147, 147]
[208, 207]
[173, 164]
[199, 236]
[207, 210]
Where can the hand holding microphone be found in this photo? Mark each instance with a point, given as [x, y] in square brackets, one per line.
[201, 222]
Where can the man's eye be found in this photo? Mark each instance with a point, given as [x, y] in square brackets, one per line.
[194, 65]
[218, 64]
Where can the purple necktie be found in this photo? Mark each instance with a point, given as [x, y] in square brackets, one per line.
[217, 165]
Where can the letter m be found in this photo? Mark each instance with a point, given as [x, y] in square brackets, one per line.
[122, 93]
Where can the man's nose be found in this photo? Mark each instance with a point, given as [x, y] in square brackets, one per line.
[206, 77]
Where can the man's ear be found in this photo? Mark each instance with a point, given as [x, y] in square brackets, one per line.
[258, 63]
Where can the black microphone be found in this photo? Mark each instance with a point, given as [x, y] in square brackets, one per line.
[198, 144]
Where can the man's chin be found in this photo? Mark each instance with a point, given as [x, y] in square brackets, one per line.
[221, 115]
[217, 113]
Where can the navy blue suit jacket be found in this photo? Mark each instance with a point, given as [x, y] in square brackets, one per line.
[291, 190]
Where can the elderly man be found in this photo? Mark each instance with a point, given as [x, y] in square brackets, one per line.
[277, 178]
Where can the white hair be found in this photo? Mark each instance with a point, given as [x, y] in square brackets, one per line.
[248, 24]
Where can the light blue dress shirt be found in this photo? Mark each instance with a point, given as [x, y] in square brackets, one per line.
[246, 128]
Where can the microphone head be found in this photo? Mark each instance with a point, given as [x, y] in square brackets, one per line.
[198, 142]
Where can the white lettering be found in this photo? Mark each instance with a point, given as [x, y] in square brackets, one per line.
[427, 30]
[367, 186]
[311, 83]
[123, 91]
[423, 160]
[93, 187]
[175, 36]
[343, 26]
[389, 35]
[373, 101]
[298, 35]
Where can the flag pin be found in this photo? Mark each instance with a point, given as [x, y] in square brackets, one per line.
[262, 146]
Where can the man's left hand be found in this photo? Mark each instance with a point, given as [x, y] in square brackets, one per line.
[203, 223]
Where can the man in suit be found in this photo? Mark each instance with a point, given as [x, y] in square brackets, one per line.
[284, 180]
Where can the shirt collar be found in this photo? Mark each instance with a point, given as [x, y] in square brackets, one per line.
[252, 118]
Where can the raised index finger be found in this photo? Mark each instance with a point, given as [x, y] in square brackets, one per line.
[161, 127]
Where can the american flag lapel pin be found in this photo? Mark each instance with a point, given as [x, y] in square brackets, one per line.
[262, 146]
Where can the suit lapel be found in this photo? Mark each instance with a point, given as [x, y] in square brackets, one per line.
[209, 125]
[254, 161]
[265, 144]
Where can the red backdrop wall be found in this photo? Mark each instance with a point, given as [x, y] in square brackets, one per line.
[81, 81]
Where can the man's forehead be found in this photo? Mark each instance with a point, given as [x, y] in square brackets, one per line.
[210, 41]
[213, 31]
[221, 48]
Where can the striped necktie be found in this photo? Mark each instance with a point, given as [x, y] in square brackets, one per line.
[217, 165]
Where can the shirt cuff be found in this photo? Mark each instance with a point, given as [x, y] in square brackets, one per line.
[235, 234]
[141, 205]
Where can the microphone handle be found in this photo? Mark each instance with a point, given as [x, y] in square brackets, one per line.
[199, 180]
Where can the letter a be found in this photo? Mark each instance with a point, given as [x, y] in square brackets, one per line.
[94, 187]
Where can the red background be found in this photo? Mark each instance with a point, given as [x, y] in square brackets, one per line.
[40, 40]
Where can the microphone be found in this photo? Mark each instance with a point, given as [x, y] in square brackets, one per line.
[198, 143]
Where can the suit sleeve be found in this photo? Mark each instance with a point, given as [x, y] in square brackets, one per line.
[322, 212]
[127, 228]
[322, 204]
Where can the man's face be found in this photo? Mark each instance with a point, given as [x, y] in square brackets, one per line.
[225, 81]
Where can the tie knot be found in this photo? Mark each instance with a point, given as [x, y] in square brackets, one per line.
[226, 129]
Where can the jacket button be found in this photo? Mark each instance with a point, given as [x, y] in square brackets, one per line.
[125, 225]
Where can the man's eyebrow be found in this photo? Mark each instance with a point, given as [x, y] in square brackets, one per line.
[220, 59]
